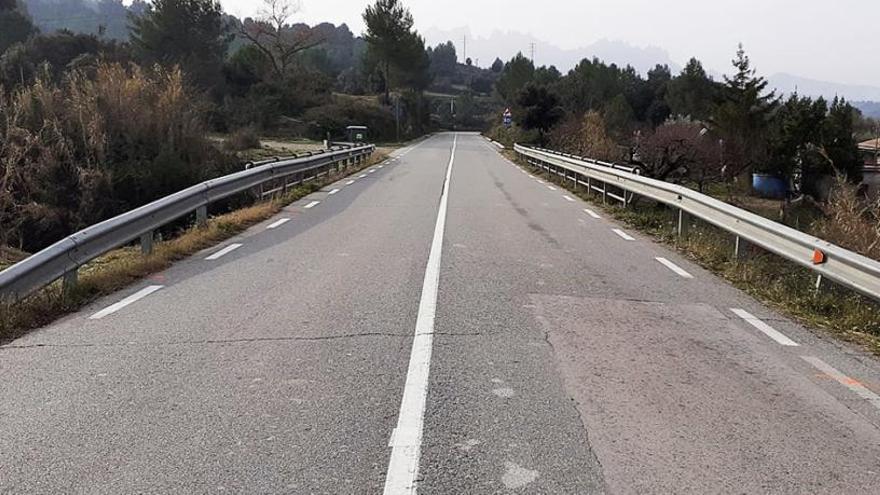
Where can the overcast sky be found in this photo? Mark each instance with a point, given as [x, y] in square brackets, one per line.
[832, 40]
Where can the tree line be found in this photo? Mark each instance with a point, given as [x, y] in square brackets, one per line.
[686, 126]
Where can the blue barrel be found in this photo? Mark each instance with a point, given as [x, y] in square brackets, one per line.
[770, 186]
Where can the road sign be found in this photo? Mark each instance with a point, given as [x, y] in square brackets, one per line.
[508, 117]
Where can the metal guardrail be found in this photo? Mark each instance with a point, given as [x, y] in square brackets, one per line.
[64, 258]
[827, 260]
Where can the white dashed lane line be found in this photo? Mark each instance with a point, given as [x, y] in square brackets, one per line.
[223, 252]
[568, 198]
[551, 188]
[765, 328]
[279, 223]
[591, 213]
[349, 182]
[675, 268]
[137, 296]
[331, 193]
[623, 235]
[362, 176]
[312, 205]
[850, 383]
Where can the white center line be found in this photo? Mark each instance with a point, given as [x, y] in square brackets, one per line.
[591, 213]
[854, 385]
[109, 310]
[331, 193]
[624, 235]
[279, 223]
[406, 440]
[568, 198]
[349, 183]
[551, 188]
[763, 327]
[312, 205]
[223, 252]
[672, 266]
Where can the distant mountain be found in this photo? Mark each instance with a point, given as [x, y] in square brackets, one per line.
[505, 45]
[788, 83]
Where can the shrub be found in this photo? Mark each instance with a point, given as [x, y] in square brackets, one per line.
[851, 220]
[333, 118]
[243, 139]
[95, 145]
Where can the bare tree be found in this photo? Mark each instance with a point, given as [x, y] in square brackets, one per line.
[272, 33]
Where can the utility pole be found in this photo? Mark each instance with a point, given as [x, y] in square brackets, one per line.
[464, 47]
[532, 48]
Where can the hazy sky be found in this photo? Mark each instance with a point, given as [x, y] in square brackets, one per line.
[833, 40]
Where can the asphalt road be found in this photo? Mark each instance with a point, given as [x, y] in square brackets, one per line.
[481, 334]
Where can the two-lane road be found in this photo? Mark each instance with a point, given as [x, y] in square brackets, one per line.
[444, 321]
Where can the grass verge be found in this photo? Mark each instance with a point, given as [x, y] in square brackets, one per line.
[778, 283]
[121, 267]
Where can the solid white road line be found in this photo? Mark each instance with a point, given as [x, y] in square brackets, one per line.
[624, 235]
[568, 198]
[223, 252]
[591, 213]
[279, 223]
[331, 193]
[137, 296]
[312, 205]
[672, 266]
[765, 328]
[349, 183]
[406, 440]
[854, 385]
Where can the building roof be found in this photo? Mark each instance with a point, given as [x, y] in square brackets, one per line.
[870, 145]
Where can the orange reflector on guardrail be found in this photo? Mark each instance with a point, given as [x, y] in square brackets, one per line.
[819, 257]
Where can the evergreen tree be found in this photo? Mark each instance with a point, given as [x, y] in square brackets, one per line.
[516, 74]
[393, 46]
[744, 115]
[189, 33]
[540, 109]
[497, 66]
[693, 93]
[15, 26]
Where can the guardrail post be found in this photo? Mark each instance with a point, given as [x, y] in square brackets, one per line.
[684, 223]
[147, 243]
[741, 249]
[69, 281]
[202, 216]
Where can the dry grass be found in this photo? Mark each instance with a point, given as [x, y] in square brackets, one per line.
[851, 220]
[780, 284]
[122, 267]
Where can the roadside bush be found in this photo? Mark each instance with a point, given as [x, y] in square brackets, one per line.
[243, 139]
[512, 135]
[333, 118]
[851, 220]
[585, 136]
[99, 143]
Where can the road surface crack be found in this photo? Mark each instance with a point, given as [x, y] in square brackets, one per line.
[211, 341]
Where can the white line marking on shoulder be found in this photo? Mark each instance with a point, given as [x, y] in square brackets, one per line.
[854, 385]
[764, 328]
[312, 205]
[591, 213]
[278, 223]
[223, 252]
[672, 266]
[623, 235]
[568, 198]
[109, 310]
